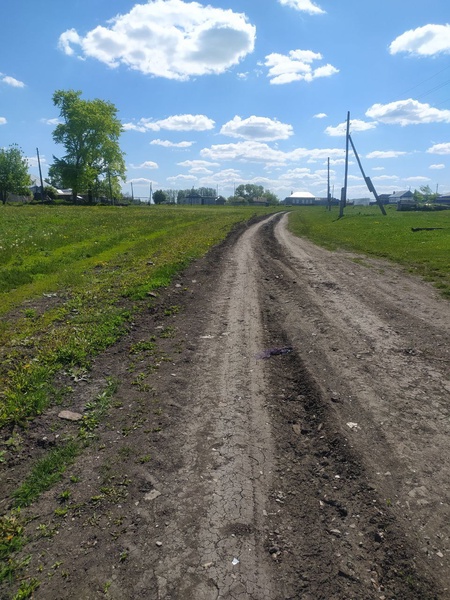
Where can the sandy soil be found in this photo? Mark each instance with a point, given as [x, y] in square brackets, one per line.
[318, 472]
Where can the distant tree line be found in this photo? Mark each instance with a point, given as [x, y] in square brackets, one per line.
[247, 193]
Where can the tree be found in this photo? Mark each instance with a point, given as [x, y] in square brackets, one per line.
[425, 194]
[14, 177]
[159, 197]
[249, 191]
[89, 132]
[270, 198]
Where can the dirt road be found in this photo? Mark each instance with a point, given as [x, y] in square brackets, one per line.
[290, 439]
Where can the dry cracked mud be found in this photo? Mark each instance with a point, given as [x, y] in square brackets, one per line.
[319, 472]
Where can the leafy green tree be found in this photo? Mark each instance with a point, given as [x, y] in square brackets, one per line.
[159, 197]
[270, 198]
[249, 191]
[89, 132]
[425, 194]
[14, 177]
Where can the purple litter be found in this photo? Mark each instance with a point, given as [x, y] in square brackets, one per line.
[273, 352]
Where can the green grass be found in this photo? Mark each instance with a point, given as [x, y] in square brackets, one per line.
[366, 230]
[46, 473]
[71, 279]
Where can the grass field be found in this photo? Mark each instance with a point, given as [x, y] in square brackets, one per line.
[364, 229]
[71, 278]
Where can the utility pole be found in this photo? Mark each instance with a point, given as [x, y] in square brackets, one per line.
[328, 187]
[40, 175]
[110, 188]
[132, 192]
[343, 201]
[151, 193]
[368, 181]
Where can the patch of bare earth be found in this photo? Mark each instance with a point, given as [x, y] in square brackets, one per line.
[318, 473]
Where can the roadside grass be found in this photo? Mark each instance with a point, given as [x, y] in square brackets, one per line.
[425, 253]
[71, 279]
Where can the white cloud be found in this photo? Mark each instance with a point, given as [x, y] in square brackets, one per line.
[50, 121]
[355, 125]
[173, 123]
[418, 179]
[148, 164]
[296, 66]
[260, 129]
[423, 41]
[196, 164]
[382, 178]
[437, 167]
[168, 38]
[377, 168]
[385, 154]
[140, 181]
[252, 151]
[33, 161]
[200, 171]
[168, 144]
[440, 149]
[11, 81]
[303, 6]
[182, 179]
[407, 112]
[320, 116]
[3, 121]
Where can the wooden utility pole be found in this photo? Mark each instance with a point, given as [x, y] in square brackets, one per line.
[368, 181]
[328, 187]
[343, 201]
[40, 175]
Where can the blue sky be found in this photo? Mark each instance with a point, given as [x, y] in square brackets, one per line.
[251, 91]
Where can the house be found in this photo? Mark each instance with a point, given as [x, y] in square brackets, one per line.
[300, 199]
[195, 198]
[443, 199]
[404, 195]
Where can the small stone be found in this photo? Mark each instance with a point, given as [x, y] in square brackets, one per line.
[159, 544]
[335, 532]
[297, 429]
[152, 495]
[68, 415]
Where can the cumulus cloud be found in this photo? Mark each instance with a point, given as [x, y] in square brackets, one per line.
[3, 121]
[33, 161]
[320, 116]
[173, 123]
[437, 167]
[181, 179]
[195, 164]
[303, 6]
[296, 66]
[440, 149]
[252, 151]
[148, 164]
[168, 144]
[140, 181]
[355, 125]
[168, 38]
[8, 80]
[407, 112]
[55, 121]
[423, 41]
[385, 154]
[260, 129]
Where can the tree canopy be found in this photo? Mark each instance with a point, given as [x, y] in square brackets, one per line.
[89, 132]
[14, 177]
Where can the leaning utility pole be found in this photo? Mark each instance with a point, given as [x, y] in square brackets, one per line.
[368, 181]
[343, 201]
[40, 175]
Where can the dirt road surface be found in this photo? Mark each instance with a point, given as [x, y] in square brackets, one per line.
[289, 439]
